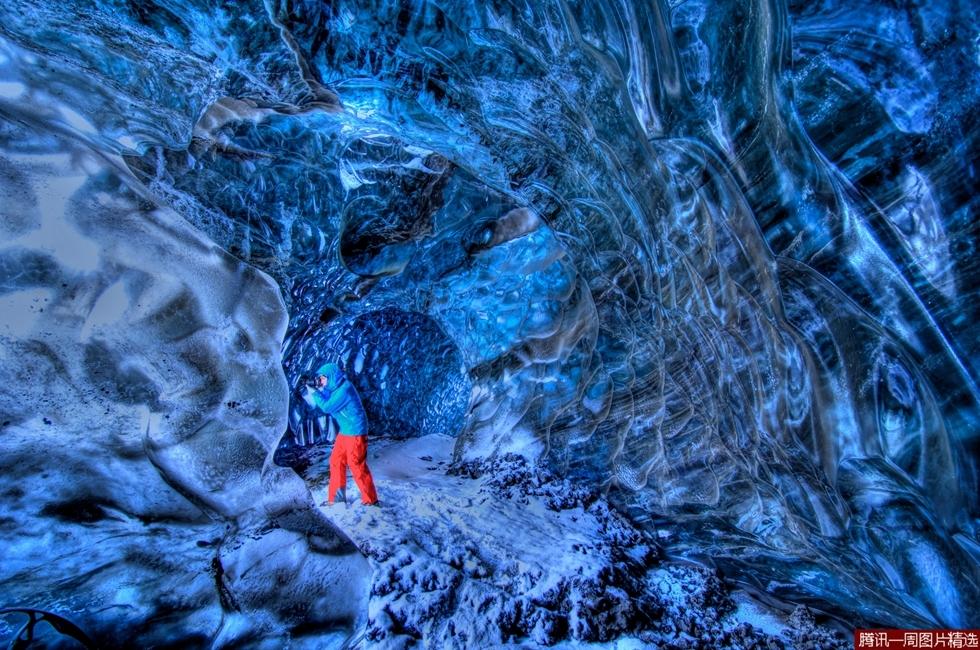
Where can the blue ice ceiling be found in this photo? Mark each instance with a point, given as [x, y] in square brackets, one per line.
[717, 257]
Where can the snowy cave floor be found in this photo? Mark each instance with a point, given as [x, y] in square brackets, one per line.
[498, 555]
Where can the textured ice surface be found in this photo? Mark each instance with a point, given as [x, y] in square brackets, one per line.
[716, 258]
[141, 395]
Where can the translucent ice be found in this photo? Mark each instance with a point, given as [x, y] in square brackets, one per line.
[141, 396]
[717, 257]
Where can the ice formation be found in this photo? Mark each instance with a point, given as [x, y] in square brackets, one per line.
[711, 258]
[142, 396]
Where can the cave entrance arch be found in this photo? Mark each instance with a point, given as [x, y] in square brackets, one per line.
[409, 374]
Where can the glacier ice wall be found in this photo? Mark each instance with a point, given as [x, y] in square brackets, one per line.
[714, 256]
[142, 395]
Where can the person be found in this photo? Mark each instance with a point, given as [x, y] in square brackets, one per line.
[336, 396]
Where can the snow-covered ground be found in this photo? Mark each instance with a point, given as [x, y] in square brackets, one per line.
[499, 554]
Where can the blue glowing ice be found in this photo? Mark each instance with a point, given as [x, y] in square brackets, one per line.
[716, 257]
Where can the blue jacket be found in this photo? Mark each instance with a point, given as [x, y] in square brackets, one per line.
[340, 400]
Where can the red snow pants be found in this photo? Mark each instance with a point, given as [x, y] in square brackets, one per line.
[351, 451]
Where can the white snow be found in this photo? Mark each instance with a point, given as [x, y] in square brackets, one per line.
[418, 494]
[442, 542]
[750, 611]
[463, 562]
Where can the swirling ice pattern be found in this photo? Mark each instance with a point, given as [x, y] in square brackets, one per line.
[717, 256]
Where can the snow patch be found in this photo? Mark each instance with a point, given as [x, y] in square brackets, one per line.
[494, 552]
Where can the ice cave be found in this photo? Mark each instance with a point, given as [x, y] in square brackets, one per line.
[664, 317]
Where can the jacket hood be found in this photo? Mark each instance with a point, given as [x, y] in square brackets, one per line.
[331, 371]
